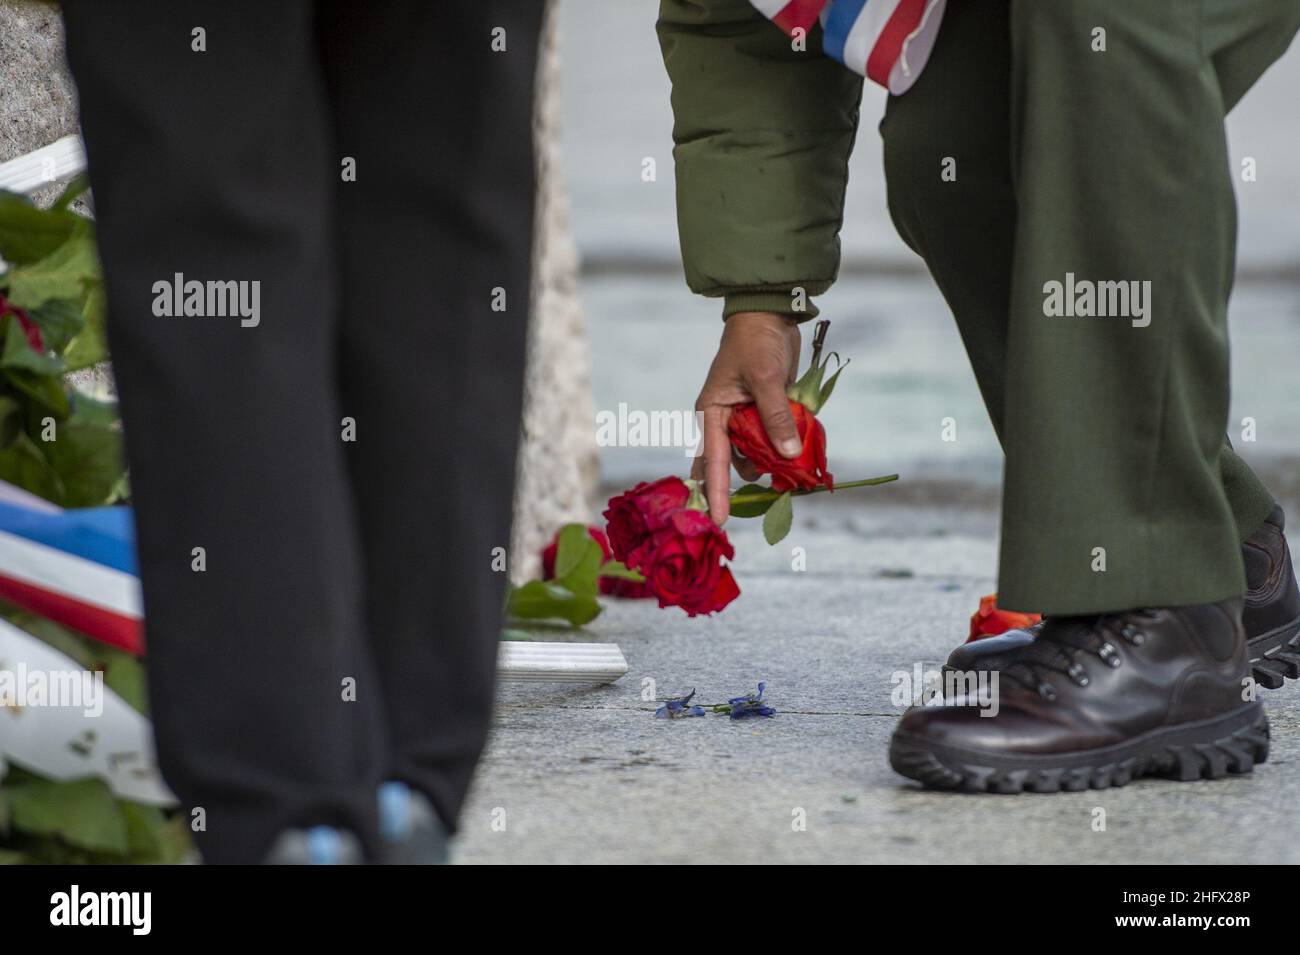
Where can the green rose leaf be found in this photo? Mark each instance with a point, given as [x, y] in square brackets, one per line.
[742, 508]
[47, 394]
[60, 275]
[144, 825]
[779, 517]
[81, 812]
[154, 837]
[124, 675]
[11, 419]
[547, 600]
[23, 464]
[175, 838]
[19, 355]
[60, 320]
[88, 461]
[90, 346]
[88, 410]
[619, 570]
[570, 547]
[28, 234]
[577, 560]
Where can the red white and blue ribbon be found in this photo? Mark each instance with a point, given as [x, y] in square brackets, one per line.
[76, 567]
[887, 41]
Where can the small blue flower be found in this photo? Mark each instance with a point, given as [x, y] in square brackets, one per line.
[752, 705]
[678, 707]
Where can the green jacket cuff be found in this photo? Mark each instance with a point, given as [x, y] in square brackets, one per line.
[768, 301]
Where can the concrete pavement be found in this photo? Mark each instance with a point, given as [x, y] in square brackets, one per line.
[585, 774]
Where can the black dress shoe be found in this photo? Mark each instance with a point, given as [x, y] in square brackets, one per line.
[1096, 702]
[1271, 615]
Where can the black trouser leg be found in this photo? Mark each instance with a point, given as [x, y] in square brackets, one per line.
[375, 305]
[217, 165]
[439, 217]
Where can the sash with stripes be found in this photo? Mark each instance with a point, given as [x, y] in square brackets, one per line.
[887, 41]
[75, 567]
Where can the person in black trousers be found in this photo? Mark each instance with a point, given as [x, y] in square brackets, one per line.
[315, 221]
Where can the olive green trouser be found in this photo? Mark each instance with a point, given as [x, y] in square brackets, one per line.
[1024, 153]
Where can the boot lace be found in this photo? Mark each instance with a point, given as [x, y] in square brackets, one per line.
[1062, 647]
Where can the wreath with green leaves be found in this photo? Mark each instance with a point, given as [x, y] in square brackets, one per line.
[66, 447]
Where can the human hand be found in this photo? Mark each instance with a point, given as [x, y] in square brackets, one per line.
[757, 358]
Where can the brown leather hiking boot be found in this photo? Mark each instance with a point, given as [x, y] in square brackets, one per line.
[1095, 702]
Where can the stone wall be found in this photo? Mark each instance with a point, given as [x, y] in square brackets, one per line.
[38, 103]
[558, 465]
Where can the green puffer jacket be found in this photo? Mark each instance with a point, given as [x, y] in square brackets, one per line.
[762, 138]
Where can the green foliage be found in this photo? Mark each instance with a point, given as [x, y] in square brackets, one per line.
[60, 276]
[546, 600]
[577, 560]
[55, 443]
[80, 813]
[67, 448]
[616, 569]
[90, 346]
[29, 234]
[79, 821]
[741, 507]
[777, 520]
[570, 595]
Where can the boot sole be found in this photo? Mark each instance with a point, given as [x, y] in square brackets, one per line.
[1228, 745]
[1275, 656]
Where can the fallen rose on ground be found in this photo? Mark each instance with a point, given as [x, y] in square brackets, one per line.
[577, 566]
[610, 586]
[662, 531]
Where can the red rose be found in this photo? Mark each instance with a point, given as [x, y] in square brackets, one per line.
[30, 329]
[991, 620]
[633, 517]
[613, 586]
[686, 564]
[626, 589]
[806, 471]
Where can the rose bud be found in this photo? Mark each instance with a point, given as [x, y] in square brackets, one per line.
[806, 471]
[806, 397]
